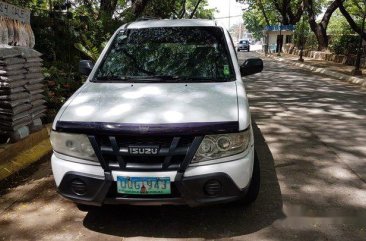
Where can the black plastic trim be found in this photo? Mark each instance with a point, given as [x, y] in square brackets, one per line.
[190, 190]
[97, 187]
[190, 154]
[193, 128]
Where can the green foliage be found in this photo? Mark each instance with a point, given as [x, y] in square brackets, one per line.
[89, 49]
[311, 43]
[302, 32]
[356, 8]
[345, 44]
[202, 11]
[253, 23]
[338, 25]
[342, 38]
[59, 86]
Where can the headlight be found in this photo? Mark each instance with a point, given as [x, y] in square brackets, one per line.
[218, 146]
[76, 145]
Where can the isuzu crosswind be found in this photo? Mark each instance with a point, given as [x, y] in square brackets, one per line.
[163, 118]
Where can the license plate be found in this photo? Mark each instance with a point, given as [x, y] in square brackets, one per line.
[143, 185]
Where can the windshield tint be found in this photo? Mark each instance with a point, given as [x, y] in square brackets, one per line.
[179, 54]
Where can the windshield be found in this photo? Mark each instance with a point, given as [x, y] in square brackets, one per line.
[178, 54]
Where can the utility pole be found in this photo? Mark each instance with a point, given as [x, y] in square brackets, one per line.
[357, 70]
[239, 33]
[229, 15]
[302, 40]
[280, 40]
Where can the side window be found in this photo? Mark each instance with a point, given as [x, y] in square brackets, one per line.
[232, 44]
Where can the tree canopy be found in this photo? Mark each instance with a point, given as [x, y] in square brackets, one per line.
[319, 15]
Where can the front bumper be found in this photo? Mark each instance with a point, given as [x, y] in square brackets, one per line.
[243, 47]
[188, 188]
[191, 191]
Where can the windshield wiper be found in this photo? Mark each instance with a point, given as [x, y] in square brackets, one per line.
[167, 78]
[112, 78]
[164, 78]
[198, 79]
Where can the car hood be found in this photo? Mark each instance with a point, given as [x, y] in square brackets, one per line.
[153, 103]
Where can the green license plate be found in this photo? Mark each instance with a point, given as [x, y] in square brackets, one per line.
[143, 185]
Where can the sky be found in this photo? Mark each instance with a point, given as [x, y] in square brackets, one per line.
[225, 9]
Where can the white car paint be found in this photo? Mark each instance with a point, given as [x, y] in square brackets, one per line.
[154, 103]
[239, 168]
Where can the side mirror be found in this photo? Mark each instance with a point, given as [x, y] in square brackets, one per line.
[85, 67]
[251, 66]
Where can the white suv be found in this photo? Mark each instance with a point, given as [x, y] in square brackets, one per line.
[163, 118]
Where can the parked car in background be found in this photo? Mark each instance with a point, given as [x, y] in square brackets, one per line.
[243, 45]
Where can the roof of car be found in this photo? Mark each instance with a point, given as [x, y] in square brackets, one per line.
[171, 23]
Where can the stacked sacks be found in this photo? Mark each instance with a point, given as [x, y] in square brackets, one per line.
[14, 99]
[34, 86]
[21, 99]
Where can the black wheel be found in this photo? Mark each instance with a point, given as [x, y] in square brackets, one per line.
[248, 50]
[254, 185]
[238, 50]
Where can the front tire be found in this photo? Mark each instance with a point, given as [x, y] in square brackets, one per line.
[84, 207]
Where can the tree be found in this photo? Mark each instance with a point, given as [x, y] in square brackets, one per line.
[290, 10]
[275, 11]
[138, 7]
[193, 9]
[254, 24]
[320, 28]
[258, 15]
[106, 9]
[353, 10]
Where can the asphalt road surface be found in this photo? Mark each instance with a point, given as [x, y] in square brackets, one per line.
[310, 135]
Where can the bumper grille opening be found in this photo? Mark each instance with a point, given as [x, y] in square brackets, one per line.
[78, 187]
[213, 188]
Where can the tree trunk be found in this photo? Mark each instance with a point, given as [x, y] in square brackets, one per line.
[321, 37]
[138, 7]
[183, 11]
[294, 18]
[286, 12]
[106, 11]
[260, 4]
[107, 8]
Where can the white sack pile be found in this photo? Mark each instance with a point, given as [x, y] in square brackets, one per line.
[21, 88]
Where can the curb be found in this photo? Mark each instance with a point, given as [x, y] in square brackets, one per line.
[24, 158]
[9, 151]
[336, 75]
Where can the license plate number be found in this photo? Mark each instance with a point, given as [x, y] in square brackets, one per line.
[143, 185]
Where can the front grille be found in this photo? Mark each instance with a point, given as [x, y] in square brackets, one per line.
[174, 152]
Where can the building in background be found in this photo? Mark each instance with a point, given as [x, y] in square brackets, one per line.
[277, 36]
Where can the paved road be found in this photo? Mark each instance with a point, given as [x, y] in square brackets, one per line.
[310, 134]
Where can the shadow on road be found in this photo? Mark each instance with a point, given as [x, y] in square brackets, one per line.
[206, 222]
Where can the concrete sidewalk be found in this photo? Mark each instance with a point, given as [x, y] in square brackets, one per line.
[335, 70]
